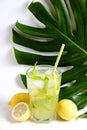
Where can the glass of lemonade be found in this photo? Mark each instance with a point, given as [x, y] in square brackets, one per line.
[43, 89]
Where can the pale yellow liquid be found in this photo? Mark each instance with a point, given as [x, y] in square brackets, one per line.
[43, 96]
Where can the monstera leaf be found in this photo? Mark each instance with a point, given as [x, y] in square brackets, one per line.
[68, 26]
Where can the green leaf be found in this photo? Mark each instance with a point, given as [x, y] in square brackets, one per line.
[58, 30]
[42, 14]
[37, 45]
[80, 100]
[23, 78]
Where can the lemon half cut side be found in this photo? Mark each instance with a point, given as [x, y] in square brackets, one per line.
[21, 112]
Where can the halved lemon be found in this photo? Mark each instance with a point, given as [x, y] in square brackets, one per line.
[21, 112]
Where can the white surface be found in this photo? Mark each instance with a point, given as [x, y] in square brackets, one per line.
[10, 11]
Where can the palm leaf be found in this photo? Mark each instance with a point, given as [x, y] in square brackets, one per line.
[58, 30]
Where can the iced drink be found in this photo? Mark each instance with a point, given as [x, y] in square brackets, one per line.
[43, 89]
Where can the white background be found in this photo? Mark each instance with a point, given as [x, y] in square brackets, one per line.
[10, 83]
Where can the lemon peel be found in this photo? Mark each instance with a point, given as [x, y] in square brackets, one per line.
[67, 109]
[19, 97]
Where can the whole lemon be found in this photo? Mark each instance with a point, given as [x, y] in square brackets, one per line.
[19, 97]
[67, 109]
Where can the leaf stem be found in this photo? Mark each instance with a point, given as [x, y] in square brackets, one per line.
[58, 58]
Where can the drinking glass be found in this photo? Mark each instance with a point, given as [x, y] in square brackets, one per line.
[43, 87]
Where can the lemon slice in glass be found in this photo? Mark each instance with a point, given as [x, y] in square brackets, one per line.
[21, 112]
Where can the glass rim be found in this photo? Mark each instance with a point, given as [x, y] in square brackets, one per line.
[42, 67]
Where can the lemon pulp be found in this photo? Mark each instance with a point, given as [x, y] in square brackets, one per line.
[21, 112]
